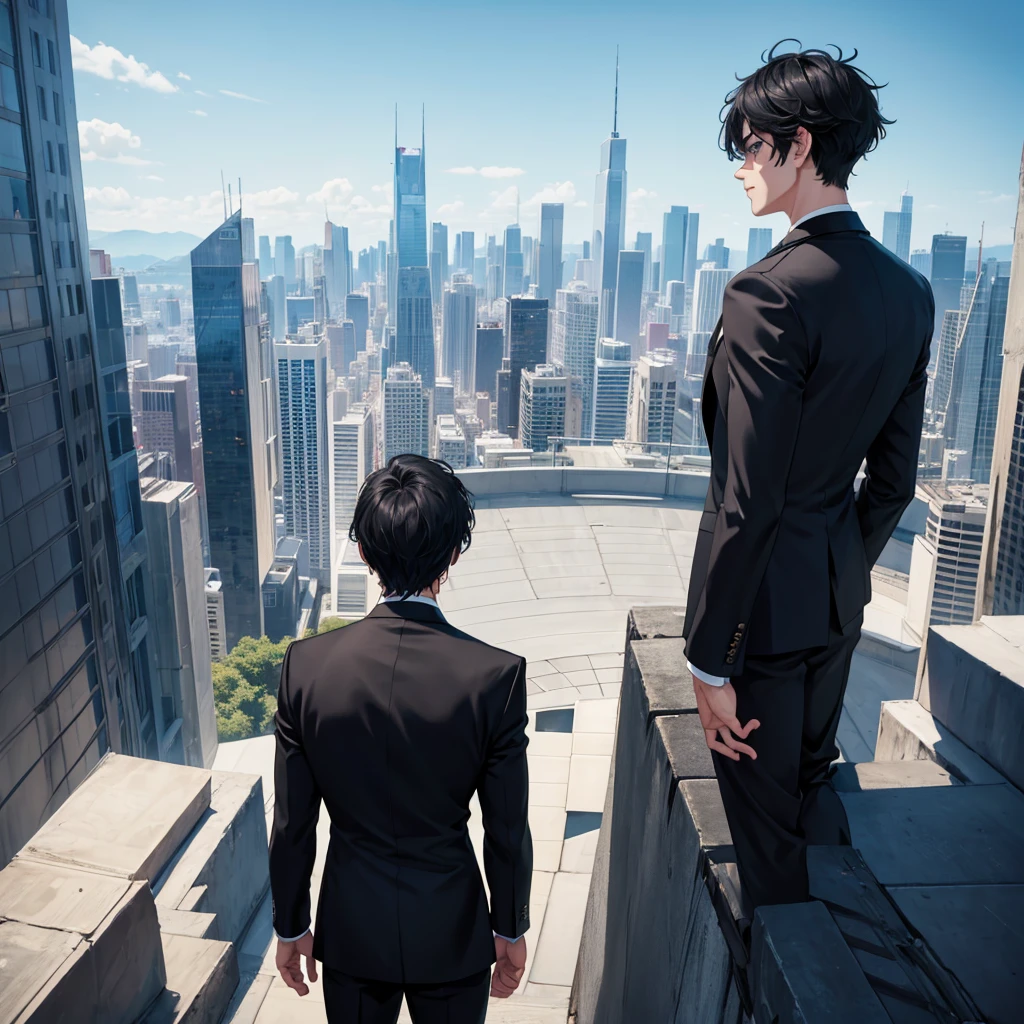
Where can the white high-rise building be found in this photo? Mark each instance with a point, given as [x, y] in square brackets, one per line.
[215, 626]
[458, 334]
[305, 448]
[609, 221]
[574, 342]
[612, 371]
[353, 445]
[542, 404]
[405, 414]
[708, 292]
[450, 442]
[652, 400]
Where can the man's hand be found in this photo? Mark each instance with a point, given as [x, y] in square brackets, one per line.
[289, 962]
[716, 706]
[508, 971]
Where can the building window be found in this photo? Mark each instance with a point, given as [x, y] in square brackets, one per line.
[62, 152]
[56, 255]
[41, 94]
[8, 85]
[12, 146]
[52, 54]
[37, 52]
[56, 108]
[71, 251]
[49, 156]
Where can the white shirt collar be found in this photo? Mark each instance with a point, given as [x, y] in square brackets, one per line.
[419, 598]
[835, 208]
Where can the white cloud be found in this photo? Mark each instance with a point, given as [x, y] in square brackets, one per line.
[109, 141]
[240, 96]
[641, 193]
[110, 63]
[506, 199]
[501, 172]
[559, 192]
[108, 198]
[333, 192]
[199, 92]
[381, 188]
[489, 172]
[151, 177]
[452, 209]
[181, 74]
[199, 113]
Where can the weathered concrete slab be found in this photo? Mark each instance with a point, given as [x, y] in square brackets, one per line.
[202, 975]
[919, 836]
[651, 621]
[187, 922]
[223, 868]
[804, 973]
[30, 956]
[668, 687]
[973, 682]
[127, 818]
[685, 746]
[913, 985]
[853, 778]
[555, 960]
[908, 732]
[977, 931]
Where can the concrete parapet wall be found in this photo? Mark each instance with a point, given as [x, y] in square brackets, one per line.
[653, 948]
[653, 483]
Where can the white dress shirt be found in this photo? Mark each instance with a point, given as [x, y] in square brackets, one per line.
[420, 599]
[706, 677]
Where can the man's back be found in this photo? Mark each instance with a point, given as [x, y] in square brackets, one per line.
[850, 325]
[400, 718]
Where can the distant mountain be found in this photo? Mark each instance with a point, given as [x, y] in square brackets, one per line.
[173, 271]
[128, 244]
[990, 252]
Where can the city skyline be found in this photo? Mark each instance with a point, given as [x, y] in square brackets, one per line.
[145, 127]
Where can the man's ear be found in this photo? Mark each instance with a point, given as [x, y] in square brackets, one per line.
[801, 148]
[362, 554]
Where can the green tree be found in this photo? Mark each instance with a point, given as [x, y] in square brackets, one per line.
[326, 625]
[245, 687]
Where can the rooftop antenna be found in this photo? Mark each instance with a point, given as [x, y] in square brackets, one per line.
[615, 117]
[239, 194]
[981, 241]
[223, 196]
[231, 205]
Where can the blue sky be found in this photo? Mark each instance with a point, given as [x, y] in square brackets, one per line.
[298, 101]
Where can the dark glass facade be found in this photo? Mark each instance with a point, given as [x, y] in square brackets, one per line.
[66, 694]
[526, 328]
[225, 300]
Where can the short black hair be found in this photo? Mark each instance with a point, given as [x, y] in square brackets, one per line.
[835, 101]
[410, 517]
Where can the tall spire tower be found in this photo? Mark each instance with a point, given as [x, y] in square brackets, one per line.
[610, 216]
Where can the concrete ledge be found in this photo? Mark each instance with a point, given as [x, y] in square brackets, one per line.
[889, 651]
[222, 868]
[201, 977]
[855, 778]
[652, 622]
[653, 948]
[801, 964]
[973, 682]
[907, 732]
[127, 818]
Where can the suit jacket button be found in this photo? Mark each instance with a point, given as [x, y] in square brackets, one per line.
[742, 625]
[730, 659]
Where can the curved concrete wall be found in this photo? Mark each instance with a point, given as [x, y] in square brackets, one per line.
[647, 483]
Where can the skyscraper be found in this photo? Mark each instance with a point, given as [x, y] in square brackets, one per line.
[353, 444]
[406, 413]
[644, 243]
[652, 400]
[526, 332]
[357, 309]
[574, 343]
[972, 406]
[759, 242]
[890, 229]
[629, 288]
[610, 217]
[439, 245]
[543, 392]
[450, 442]
[948, 255]
[305, 466]
[549, 276]
[278, 307]
[410, 205]
[337, 267]
[284, 260]
[692, 230]
[458, 334]
[612, 371]
[465, 252]
[512, 280]
[717, 253]
[707, 296]
[674, 226]
[490, 344]
[414, 335]
[236, 406]
[903, 226]
[265, 258]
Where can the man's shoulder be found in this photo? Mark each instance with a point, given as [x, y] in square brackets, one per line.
[497, 657]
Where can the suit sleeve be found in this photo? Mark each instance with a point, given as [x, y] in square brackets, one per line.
[767, 354]
[892, 460]
[504, 799]
[296, 811]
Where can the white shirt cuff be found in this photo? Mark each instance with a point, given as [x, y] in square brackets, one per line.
[706, 677]
[506, 938]
[281, 938]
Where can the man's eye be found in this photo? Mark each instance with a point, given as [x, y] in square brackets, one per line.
[753, 148]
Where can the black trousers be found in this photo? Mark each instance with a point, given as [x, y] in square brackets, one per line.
[784, 801]
[351, 1000]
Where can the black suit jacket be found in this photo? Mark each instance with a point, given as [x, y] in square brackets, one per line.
[395, 721]
[819, 361]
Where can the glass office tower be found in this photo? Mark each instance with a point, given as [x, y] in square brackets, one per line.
[66, 690]
[237, 410]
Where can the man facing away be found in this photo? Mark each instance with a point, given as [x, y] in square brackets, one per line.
[395, 721]
[818, 365]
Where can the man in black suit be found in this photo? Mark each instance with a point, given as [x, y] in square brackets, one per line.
[395, 721]
[818, 364]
